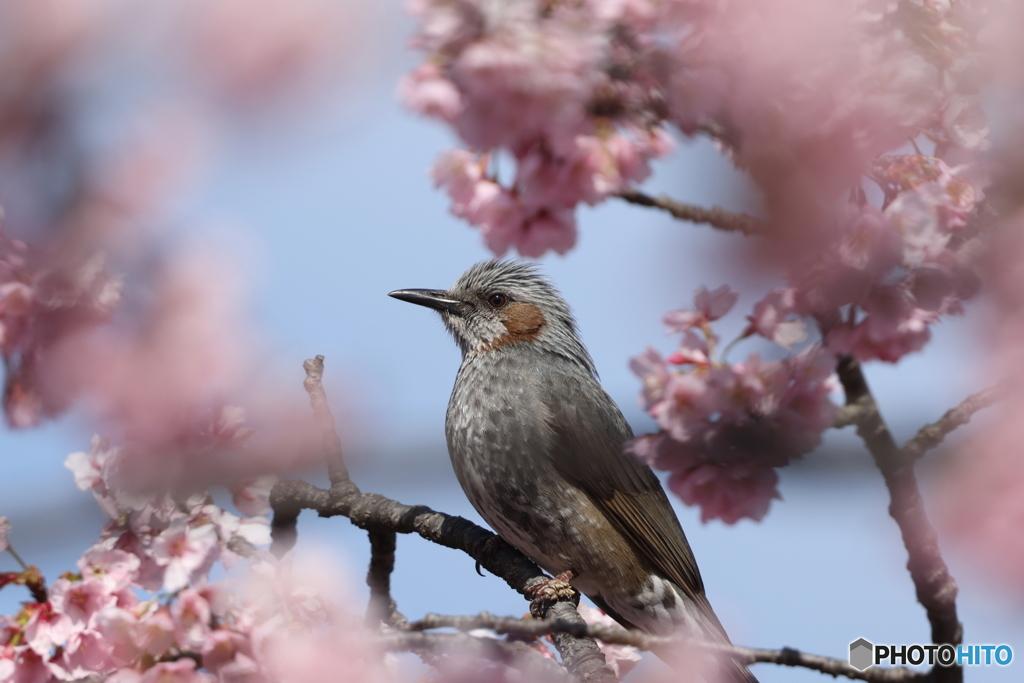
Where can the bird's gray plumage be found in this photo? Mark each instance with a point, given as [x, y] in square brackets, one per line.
[536, 444]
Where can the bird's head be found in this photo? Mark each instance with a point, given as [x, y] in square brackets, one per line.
[498, 305]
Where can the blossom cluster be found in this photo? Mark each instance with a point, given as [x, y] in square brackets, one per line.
[581, 97]
[536, 81]
[894, 271]
[43, 300]
[726, 427]
[140, 606]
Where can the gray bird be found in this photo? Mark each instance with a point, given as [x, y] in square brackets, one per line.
[536, 444]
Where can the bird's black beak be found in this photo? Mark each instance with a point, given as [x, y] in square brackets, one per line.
[431, 298]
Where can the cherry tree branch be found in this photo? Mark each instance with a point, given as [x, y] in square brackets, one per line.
[378, 514]
[935, 587]
[382, 608]
[515, 654]
[620, 636]
[930, 436]
[716, 216]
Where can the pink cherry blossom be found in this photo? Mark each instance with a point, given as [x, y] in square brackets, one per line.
[548, 76]
[693, 349]
[549, 229]
[714, 304]
[29, 667]
[45, 299]
[727, 493]
[80, 600]
[192, 616]
[119, 627]
[426, 91]
[221, 647]
[46, 628]
[112, 568]
[86, 652]
[183, 551]
[155, 633]
[770, 318]
[892, 328]
[708, 307]
[252, 496]
[180, 671]
[650, 368]
[256, 49]
[88, 467]
[725, 427]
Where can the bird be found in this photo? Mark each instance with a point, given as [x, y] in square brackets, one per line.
[537, 446]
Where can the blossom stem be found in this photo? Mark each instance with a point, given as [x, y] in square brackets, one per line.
[17, 557]
[728, 347]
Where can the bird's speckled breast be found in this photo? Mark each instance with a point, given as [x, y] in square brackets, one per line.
[499, 452]
[500, 445]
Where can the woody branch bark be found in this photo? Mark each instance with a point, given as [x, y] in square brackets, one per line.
[935, 587]
[517, 655]
[382, 608]
[620, 636]
[378, 514]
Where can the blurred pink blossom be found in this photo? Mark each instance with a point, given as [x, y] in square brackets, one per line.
[180, 671]
[579, 94]
[725, 427]
[708, 306]
[727, 493]
[258, 48]
[621, 658]
[426, 91]
[770, 318]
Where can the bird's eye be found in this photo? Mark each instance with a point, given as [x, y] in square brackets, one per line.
[497, 300]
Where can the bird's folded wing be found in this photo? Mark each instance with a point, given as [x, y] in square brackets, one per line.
[589, 432]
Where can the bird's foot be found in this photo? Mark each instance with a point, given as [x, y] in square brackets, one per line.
[491, 546]
[550, 590]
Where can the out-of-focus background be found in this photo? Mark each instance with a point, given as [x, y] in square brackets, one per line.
[323, 207]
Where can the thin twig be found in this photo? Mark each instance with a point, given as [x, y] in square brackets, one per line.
[329, 439]
[16, 556]
[935, 587]
[515, 654]
[715, 216]
[620, 636]
[930, 436]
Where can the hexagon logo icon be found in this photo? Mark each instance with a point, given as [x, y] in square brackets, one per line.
[861, 654]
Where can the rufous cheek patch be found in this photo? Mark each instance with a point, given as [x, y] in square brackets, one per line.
[522, 320]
